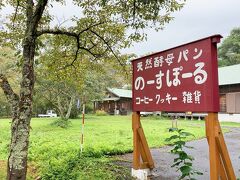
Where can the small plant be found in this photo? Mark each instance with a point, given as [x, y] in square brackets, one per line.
[183, 161]
[101, 113]
[63, 123]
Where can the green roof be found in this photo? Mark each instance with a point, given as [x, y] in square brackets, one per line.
[229, 75]
[111, 99]
[121, 92]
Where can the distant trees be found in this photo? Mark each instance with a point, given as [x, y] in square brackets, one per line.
[5, 109]
[229, 51]
[61, 84]
[61, 91]
[9, 67]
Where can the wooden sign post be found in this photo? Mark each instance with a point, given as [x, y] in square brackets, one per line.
[142, 158]
[220, 163]
[180, 79]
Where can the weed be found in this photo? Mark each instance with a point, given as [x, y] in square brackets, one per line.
[183, 162]
[63, 123]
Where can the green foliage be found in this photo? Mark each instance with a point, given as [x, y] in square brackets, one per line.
[183, 162]
[8, 62]
[89, 108]
[8, 68]
[103, 28]
[63, 123]
[5, 109]
[54, 150]
[229, 51]
[77, 166]
[101, 113]
[75, 112]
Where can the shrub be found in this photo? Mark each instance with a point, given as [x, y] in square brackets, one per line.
[63, 123]
[89, 108]
[101, 113]
[74, 113]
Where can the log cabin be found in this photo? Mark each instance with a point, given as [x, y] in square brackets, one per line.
[116, 102]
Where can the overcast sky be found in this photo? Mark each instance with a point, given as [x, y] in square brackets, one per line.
[198, 19]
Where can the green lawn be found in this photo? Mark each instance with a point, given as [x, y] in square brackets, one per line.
[55, 151]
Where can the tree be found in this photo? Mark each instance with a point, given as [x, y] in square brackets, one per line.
[8, 67]
[64, 85]
[60, 94]
[25, 31]
[62, 89]
[229, 51]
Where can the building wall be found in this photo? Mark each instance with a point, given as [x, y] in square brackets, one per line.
[223, 105]
[124, 106]
[230, 98]
[229, 88]
[233, 103]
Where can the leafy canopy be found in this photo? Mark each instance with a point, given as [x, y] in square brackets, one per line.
[229, 51]
[91, 41]
[103, 29]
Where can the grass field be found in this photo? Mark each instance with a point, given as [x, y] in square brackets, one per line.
[54, 152]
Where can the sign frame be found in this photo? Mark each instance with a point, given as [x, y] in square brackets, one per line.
[209, 92]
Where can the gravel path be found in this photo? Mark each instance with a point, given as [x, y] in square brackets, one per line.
[163, 159]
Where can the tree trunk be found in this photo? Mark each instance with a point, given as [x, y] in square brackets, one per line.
[70, 107]
[60, 108]
[17, 160]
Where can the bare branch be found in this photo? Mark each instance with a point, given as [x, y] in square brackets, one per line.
[85, 49]
[39, 12]
[15, 13]
[57, 32]
[109, 47]
[134, 10]
[89, 51]
[67, 33]
[90, 27]
[76, 53]
[29, 11]
[50, 100]
[74, 35]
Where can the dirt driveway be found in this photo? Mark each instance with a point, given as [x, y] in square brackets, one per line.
[163, 159]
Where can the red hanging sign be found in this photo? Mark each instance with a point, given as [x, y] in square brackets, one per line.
[180, 79]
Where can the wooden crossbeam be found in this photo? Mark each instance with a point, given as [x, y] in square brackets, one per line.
[220, 163]
[145, 149]
[223, 174]
[142, 157]
[225, 156]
